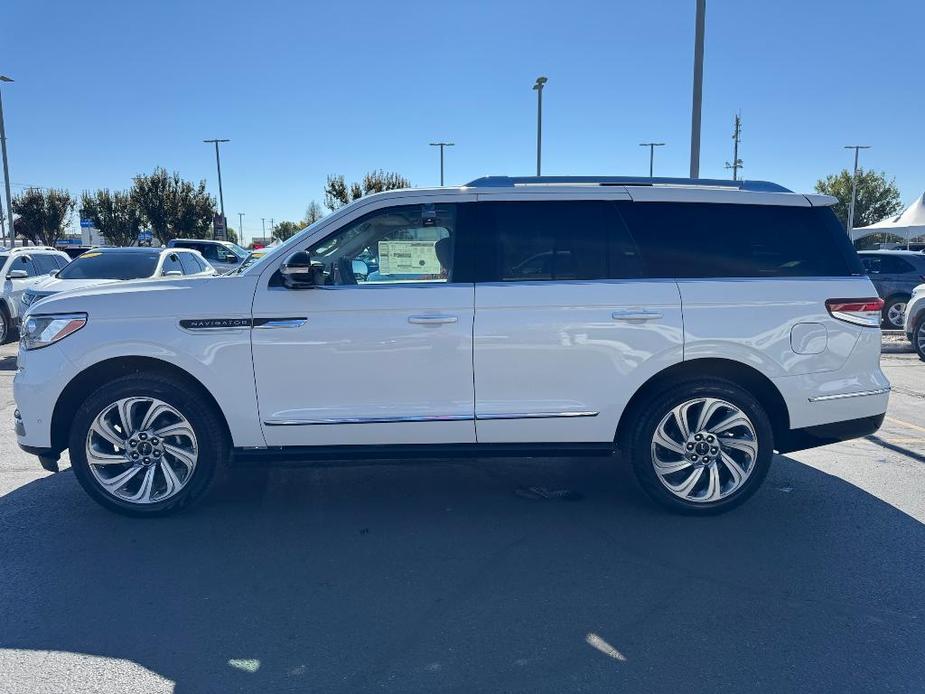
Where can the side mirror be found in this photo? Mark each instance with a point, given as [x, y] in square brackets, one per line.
[17, 275]
[231, 258]
[360, 270]
[173, 273]
[297, 271]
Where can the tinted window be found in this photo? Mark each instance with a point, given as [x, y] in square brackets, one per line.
[116, 265]
[44, 263]
[60, 261]
[190, 263]
[171, 264]
[894, 265]
[412, 243]
[553, 240]
[731, 240]
[24, 262]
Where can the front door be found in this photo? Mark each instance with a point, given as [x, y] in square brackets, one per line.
[15, 286]
[381, 351]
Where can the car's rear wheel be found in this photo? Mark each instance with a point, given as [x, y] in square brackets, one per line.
[918, 337]
[145, 445]
[700, 447]
[894, 312]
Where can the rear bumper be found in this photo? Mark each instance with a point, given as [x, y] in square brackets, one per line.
[823, 434]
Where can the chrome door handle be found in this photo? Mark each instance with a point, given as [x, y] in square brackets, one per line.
[432, 319]
[635, 314]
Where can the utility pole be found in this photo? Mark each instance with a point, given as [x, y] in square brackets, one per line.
[698, 88]
[736, 138]
[854, 188]
[651, 146]
[441, 145]
[538, 87]
[263, 222]
[240, 228]
[6, 170]
[218, 164]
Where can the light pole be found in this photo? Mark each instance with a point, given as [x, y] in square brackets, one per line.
[218, 164]
[854, 188]
[651, 146]
[698, 88]
[241, 228]
[6, 168]
[441, 145]
[538, 87]
[263, 223]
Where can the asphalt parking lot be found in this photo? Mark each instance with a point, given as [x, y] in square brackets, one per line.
[442, 577]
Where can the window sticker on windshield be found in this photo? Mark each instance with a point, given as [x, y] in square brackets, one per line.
[408, 257]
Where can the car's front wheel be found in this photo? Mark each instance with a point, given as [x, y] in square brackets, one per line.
[700, 447]
[145, 445]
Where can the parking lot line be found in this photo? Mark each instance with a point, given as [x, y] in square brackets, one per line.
[905, 424]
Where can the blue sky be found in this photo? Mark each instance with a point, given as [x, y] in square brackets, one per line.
[105, 90]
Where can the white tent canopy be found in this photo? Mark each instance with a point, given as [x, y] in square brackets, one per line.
[908, 224]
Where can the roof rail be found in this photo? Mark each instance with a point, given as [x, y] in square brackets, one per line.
[510, 181]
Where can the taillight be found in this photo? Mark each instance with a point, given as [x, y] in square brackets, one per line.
[858, 311]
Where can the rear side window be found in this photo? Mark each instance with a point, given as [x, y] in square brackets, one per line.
[553, 240]
[887, 265]
[732, 240]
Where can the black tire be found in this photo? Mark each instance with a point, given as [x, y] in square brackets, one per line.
[918, 337]
[6, 324]
[211, 437]
[891, 303]
[647, 416]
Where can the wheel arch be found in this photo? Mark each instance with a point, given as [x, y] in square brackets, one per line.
[93, 377]
[741, 374]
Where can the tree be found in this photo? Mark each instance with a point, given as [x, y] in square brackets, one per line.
[877, 198]
[231, 235]
[173, 206]
[285, 230]
[43, 214]
[337, 193]
[312, 213]
[115, 214]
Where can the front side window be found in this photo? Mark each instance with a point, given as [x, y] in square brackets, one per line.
[189, 263]
[171, 264]
[412, 243]
[891, 265]
[44, 263]
[24, 262]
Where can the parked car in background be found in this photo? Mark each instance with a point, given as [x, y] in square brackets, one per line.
[22, 268]
[915, 320]
[894, 274]
[76, 251]
[224, 256]
[108, 265]
[695, 327]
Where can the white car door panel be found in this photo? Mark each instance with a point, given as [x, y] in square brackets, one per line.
[380, 357]
[558, 361]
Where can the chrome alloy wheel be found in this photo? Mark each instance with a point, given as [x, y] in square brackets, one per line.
[141, 450]
[896, 313]
[704, 449]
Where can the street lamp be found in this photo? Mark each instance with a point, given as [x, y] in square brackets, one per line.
[651, 146]
[698, 88]
[538, 88]
[854, 188]
[218, 164]
[241, 228]
[441, 145]
[6, 168]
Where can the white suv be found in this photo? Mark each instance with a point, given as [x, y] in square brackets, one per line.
[22, 268]
[695, 327]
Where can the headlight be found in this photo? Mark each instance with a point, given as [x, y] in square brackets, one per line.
[41, 331]
[27, 298]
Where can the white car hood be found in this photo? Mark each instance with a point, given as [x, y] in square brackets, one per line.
[53, 285]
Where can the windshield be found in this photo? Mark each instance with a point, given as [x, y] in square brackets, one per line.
[235, 248]
[110, 266]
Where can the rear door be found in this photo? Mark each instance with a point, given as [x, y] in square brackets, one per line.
[567, 326]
